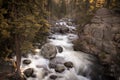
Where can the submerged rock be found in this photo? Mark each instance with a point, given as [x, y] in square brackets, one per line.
[50, 37]
[60, 49]
[57, 60]
[60, 29]
[48, 51]
[52, 65]
[59, 68]
[27, 61]
[29, 72]
[69, 23]
[68, 64]
[53, 77]
[33, 75]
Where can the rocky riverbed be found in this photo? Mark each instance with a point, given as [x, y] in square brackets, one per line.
[57, 60]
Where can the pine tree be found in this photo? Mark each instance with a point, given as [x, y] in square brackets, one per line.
[20, 21]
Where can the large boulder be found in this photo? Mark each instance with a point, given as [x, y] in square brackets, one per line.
[48, 51]
[101, 37]
[102, 34]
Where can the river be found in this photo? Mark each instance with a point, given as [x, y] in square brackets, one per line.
[83, 63]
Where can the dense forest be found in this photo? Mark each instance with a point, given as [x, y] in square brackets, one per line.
[27, 24]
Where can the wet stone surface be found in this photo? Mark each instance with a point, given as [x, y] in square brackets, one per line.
[53, 77]
[60, 49]
[29, 72]
[48, 51]
[69, 64]
[51, 65]
[26, 61]
[59, 68]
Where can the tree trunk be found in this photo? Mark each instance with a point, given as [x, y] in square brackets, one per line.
[18, 53]
[108, 2]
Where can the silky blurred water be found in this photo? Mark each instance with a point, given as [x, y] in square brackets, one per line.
[80, 60]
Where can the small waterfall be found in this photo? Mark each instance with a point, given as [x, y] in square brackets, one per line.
[82, 62]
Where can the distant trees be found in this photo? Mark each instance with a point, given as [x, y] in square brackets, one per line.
[57, 8]
[53, 9]
[63, 8]
[81, 9]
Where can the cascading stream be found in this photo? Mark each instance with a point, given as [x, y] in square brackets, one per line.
[82, 62]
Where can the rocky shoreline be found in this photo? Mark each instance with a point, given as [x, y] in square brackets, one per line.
[101, 37]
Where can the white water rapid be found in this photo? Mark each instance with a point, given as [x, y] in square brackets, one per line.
[81, 61]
